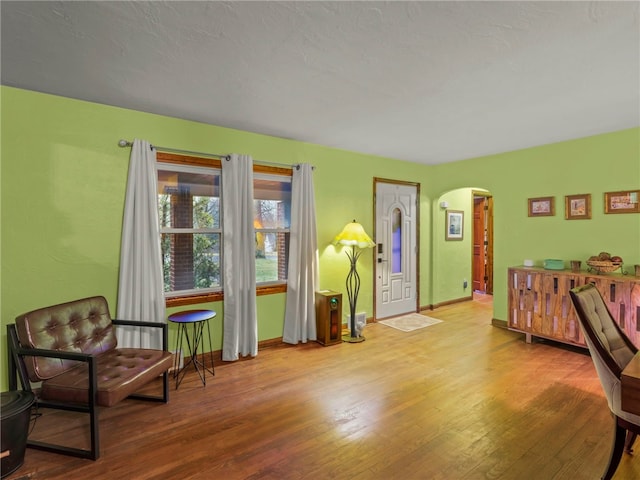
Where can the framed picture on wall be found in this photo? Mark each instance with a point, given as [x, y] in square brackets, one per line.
[627, 201]
[454, 226]
[542, 207]
[577, 207]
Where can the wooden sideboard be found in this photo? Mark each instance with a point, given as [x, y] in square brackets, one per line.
[540, 306]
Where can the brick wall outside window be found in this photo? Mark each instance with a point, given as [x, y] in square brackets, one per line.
[282, 245]
[181, 275]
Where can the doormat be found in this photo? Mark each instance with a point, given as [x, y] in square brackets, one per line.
[410, 322]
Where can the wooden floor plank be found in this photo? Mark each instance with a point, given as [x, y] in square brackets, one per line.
[457, 400]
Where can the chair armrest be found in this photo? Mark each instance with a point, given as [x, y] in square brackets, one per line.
[139, 323]
[41, 352]
[87, 358]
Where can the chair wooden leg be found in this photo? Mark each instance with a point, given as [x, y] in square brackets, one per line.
[628, 444]
[616, 450]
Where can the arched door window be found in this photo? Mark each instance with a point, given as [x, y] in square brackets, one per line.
[396, 241]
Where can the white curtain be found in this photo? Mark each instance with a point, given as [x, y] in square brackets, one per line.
[141, 285]
[240, 331]
[303, 274]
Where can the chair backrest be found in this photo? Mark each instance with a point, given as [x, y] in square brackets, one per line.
[610, 349]
[82, 326]
[600, 327]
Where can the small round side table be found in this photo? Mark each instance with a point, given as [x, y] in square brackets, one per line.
[197, 319]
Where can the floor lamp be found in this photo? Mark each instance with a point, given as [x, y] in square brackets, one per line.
[354, 236]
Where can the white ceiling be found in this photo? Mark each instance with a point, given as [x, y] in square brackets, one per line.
[427, 82]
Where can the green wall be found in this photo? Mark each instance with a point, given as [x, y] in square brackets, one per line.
[597, 164]
[63, 183]
[452, 258]
[63, 180]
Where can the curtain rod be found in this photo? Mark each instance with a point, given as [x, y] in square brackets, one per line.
[126, 143]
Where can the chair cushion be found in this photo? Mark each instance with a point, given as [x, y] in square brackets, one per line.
[120, 373]
[82, 326]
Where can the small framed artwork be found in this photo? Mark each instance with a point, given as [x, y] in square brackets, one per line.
[542, 207]
[577, 207]
[627, 201]
[455, 220]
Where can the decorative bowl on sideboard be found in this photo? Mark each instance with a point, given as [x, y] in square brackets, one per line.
[602, 266]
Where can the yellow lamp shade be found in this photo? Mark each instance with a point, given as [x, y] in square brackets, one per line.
[353, 235]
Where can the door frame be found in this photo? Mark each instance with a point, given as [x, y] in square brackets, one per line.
[374, 255]
[489, 216]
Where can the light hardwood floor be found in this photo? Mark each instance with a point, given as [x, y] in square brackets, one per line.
[457, 400]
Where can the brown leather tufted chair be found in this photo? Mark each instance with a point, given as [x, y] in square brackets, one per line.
[71, 350]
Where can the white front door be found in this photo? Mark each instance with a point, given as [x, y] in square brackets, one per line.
[396, 249]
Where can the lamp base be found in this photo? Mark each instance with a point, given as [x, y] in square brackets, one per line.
[349, 339]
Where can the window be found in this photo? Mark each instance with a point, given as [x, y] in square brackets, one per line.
[190, 229]
[271, 220]
[190, 215]
[396, 241]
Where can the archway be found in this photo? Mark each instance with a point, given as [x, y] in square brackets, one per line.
[454, 255]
